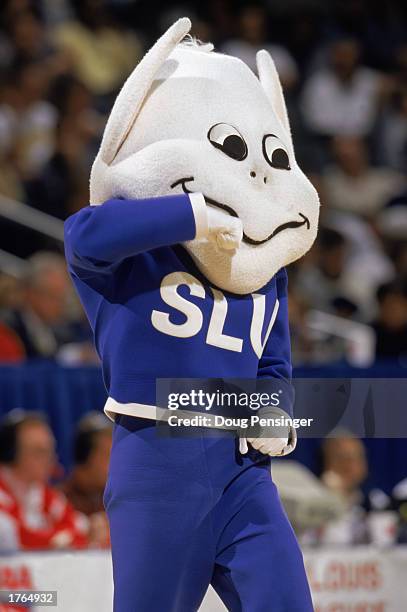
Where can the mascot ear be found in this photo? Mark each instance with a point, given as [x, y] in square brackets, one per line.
[135, 89]
[270, 82]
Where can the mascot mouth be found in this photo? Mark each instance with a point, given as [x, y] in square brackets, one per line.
[233, 213]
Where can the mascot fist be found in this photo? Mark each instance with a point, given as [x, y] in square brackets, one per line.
[269, 446]
[269, 440]
[225, 231]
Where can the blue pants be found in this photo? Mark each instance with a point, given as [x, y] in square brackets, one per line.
[186, 513]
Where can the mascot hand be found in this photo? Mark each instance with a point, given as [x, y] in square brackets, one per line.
[266, 438]
[269, 446]
[224, 230]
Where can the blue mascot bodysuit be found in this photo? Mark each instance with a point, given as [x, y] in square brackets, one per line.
[197, 205]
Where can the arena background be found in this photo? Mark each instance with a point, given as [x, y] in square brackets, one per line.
[343, 65]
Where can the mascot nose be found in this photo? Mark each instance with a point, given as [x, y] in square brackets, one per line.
[254, 175]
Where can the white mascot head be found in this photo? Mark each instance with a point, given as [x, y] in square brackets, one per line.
[192, 120]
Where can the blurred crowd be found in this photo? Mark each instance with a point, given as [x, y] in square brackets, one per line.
[359, 514]
[42, 507]
[337, 504]
[343, 66]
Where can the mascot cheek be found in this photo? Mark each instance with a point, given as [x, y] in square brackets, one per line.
[149, 172]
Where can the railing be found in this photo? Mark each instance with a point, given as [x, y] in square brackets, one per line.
[359, 339]
[29, 217]
[32, 218]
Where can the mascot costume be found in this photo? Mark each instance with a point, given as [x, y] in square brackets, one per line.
[196, 206]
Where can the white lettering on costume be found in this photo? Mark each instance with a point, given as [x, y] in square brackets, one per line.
[259, 312]
[168, 290]
[194, 317]
[215, 336]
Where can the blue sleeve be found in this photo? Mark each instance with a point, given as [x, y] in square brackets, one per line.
[98, 238]
[276, 359]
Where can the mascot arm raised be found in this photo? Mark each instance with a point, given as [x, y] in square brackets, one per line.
[98, 237]
[275, 364]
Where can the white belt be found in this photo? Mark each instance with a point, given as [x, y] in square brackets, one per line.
[154, 413]
[143, 411]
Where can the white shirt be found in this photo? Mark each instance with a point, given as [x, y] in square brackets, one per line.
[332, 108]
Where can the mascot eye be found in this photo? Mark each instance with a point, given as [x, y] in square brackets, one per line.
[226, 138]
[275, 153]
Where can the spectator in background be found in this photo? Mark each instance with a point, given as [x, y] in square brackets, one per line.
[344, 470]
[62, 186]
[33, 515]
[365, 259]
[29, 38]
[46, 290]
[11, 347]
[85, 486]
[101, 55]
[342, 99]
[11, 185]
[391, 226]
[349, 263]
[355, 186]
[301, 339]
[10, 291]
[32, 119]
[252, 36]
[392, 144]
[73, 100]
[319, 285]
[391, 324]
[322, 281]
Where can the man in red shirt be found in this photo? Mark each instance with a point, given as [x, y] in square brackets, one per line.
[33, 515]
